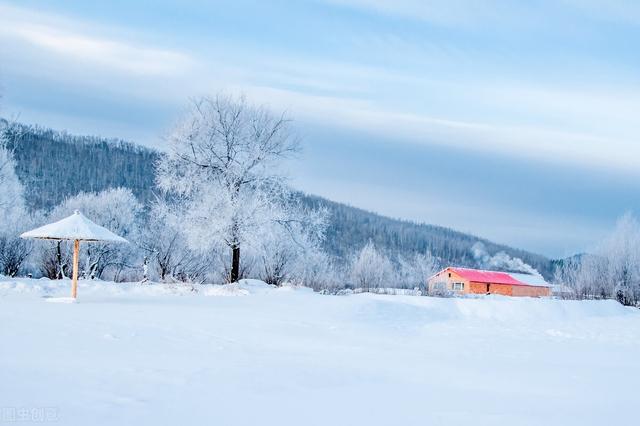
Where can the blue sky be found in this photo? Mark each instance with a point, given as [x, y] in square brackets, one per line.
[516, 121]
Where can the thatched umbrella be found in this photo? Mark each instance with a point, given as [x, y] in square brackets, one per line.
[77, 228]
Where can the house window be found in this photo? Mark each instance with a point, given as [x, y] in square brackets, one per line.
[449, 274]
[458, 286]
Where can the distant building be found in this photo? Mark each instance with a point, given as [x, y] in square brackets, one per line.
[476, 281]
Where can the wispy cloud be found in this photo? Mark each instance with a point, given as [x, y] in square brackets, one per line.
[73, 42]
[536, 142]
[582, 125]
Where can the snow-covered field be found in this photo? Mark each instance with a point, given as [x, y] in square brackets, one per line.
[156, 355]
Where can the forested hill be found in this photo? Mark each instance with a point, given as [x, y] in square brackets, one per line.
[54, 165]
[353, 227]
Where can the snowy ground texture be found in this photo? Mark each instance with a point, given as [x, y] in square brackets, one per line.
[128, 354]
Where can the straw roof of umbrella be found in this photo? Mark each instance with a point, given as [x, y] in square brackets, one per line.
[77, 228]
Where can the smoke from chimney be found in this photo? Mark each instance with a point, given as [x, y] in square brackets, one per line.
[500, 261]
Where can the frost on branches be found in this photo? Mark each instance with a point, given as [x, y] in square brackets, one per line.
[11, 195]
[611, 271]
[163, 241]
[289, 247]
[14, 217]
[222, 175]
[370, 268]
[414, 271]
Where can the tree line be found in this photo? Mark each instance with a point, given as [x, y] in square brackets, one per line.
[214, 207]
[610, 271]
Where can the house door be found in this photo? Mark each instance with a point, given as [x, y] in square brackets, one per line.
[488, 292]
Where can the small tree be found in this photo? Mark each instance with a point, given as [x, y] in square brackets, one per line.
[371, 269]
[224, 167]
[318, 271]
[414, 271]
[13, 253]
[291, 242]
[565, 277]
[55, 260]
[163, 240]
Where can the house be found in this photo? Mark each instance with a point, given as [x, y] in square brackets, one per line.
[476, 281]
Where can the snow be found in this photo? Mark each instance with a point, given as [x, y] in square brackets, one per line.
[181, 354]
[74, 227]
[61, 299]
[530, 279]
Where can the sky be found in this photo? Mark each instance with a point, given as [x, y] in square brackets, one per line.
[514, 121]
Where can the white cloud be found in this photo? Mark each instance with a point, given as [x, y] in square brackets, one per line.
[536, 142]
[584, 125]
[72, 42]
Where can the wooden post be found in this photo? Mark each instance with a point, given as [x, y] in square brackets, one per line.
[76, 256]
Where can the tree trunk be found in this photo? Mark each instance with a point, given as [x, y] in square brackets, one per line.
[60, 272]
[235, 264]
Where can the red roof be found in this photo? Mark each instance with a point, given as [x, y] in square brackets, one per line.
[492, 277]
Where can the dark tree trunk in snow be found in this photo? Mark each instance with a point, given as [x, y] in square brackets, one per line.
[235, 264]
[60, 272]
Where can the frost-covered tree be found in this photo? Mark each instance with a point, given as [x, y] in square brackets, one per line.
[585, 277]
[593, 279]
[14, 251]
[371, 269]
[566, 275]
[163, 240]
[319, 271]
[117, 210]
[12, 206]
[291, 244]
[414, 271]
[224, 165]
[13, 214]
[622, 252]
[612, 270]
[276, 260]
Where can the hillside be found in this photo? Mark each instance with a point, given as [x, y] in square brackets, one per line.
[353, 227]
[54, 165]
